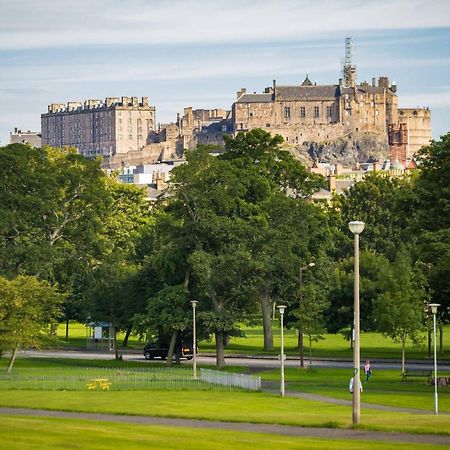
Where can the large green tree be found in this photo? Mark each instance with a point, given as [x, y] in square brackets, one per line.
[28, 307]
[433, 223]
[398, 312]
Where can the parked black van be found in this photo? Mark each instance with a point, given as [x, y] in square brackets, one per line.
[155, 349]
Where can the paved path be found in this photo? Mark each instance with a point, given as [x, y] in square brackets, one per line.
[286, 430]
[258, 362]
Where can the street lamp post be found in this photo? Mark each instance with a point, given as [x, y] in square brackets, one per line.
[194, 340]
[434, 307]
[282, 308]
[356, 228]
[300, 331]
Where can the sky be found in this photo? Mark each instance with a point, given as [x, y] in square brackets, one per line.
[199, 53]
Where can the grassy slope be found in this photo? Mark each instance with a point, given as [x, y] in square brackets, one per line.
[45, 433]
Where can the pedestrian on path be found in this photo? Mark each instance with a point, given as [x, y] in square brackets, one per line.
[350, 386]
[368, 370]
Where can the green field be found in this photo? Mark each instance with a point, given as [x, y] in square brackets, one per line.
[247, 407]
[242, 406]
[385, 387]
[373, 345]
[49, 433]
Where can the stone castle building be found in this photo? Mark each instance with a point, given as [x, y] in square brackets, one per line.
[97, 128]
[124, 133]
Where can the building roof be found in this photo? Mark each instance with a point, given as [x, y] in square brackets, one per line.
[324, 91]
[365, 88]
[254, 98]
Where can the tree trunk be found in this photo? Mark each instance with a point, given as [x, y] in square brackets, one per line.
[403, 354]
[13, 358]
[441, 338]
[116, 350]
[264, 299]
[301, 347]
[220, 354]
[67, 328]
[173, 341]
[127, 335]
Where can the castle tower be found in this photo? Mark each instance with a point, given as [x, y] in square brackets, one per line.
[348, 68]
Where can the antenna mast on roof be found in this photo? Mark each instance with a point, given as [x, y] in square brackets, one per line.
[348, 68]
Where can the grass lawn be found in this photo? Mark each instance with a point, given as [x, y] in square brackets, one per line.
[385, 387]
[373, 345]
[238, 406]
[49, 433]
[228, 406]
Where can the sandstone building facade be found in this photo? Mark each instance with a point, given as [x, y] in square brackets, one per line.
[100, 128]
[123, 130]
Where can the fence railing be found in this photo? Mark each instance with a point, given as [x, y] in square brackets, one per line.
[123, 379]
[231, 380]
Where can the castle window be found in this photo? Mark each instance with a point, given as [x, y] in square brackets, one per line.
[302, 111]
[328, 111]
[316, 111]
[287, 112]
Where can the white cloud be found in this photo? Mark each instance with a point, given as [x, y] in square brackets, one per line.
[55, 23]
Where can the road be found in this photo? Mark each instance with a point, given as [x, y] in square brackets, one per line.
[253, 362]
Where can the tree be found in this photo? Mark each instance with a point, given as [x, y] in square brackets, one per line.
[386, 205]
[168, 314]
[433, 223]
[399, 310]
[51, 212]
[221, 281]
[27, 308]
[271, 173]
[373, 268]
[110, 295]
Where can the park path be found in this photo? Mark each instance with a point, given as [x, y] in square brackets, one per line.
[285, 430]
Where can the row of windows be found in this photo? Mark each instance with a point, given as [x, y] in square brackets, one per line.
[302, 111]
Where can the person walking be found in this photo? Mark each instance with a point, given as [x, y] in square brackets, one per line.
[368, 370]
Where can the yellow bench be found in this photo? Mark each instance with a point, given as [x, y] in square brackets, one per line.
[102, 383]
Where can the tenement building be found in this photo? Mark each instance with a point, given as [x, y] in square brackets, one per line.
[96, 127]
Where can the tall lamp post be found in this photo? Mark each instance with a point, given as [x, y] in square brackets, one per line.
[282, 308]
[194, 340]
[433, 307]
[356, 228]
[300, 331]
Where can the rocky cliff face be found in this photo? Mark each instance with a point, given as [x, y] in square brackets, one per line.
[348, 150]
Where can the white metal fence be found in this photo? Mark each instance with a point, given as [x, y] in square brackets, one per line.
[231, 380]
[125, 379]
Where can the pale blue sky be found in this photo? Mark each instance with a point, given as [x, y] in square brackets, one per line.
[199, 53]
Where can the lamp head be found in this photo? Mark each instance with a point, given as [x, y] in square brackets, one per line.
[356, 227]
[433, 307]
[194, 303]
[311, 264]
[282, 308]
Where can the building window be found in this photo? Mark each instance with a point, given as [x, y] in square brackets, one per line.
[328, 111]
[316, 111]
[287, 112]
[302, 111]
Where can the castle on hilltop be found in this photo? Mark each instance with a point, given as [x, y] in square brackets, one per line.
[124, 132]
